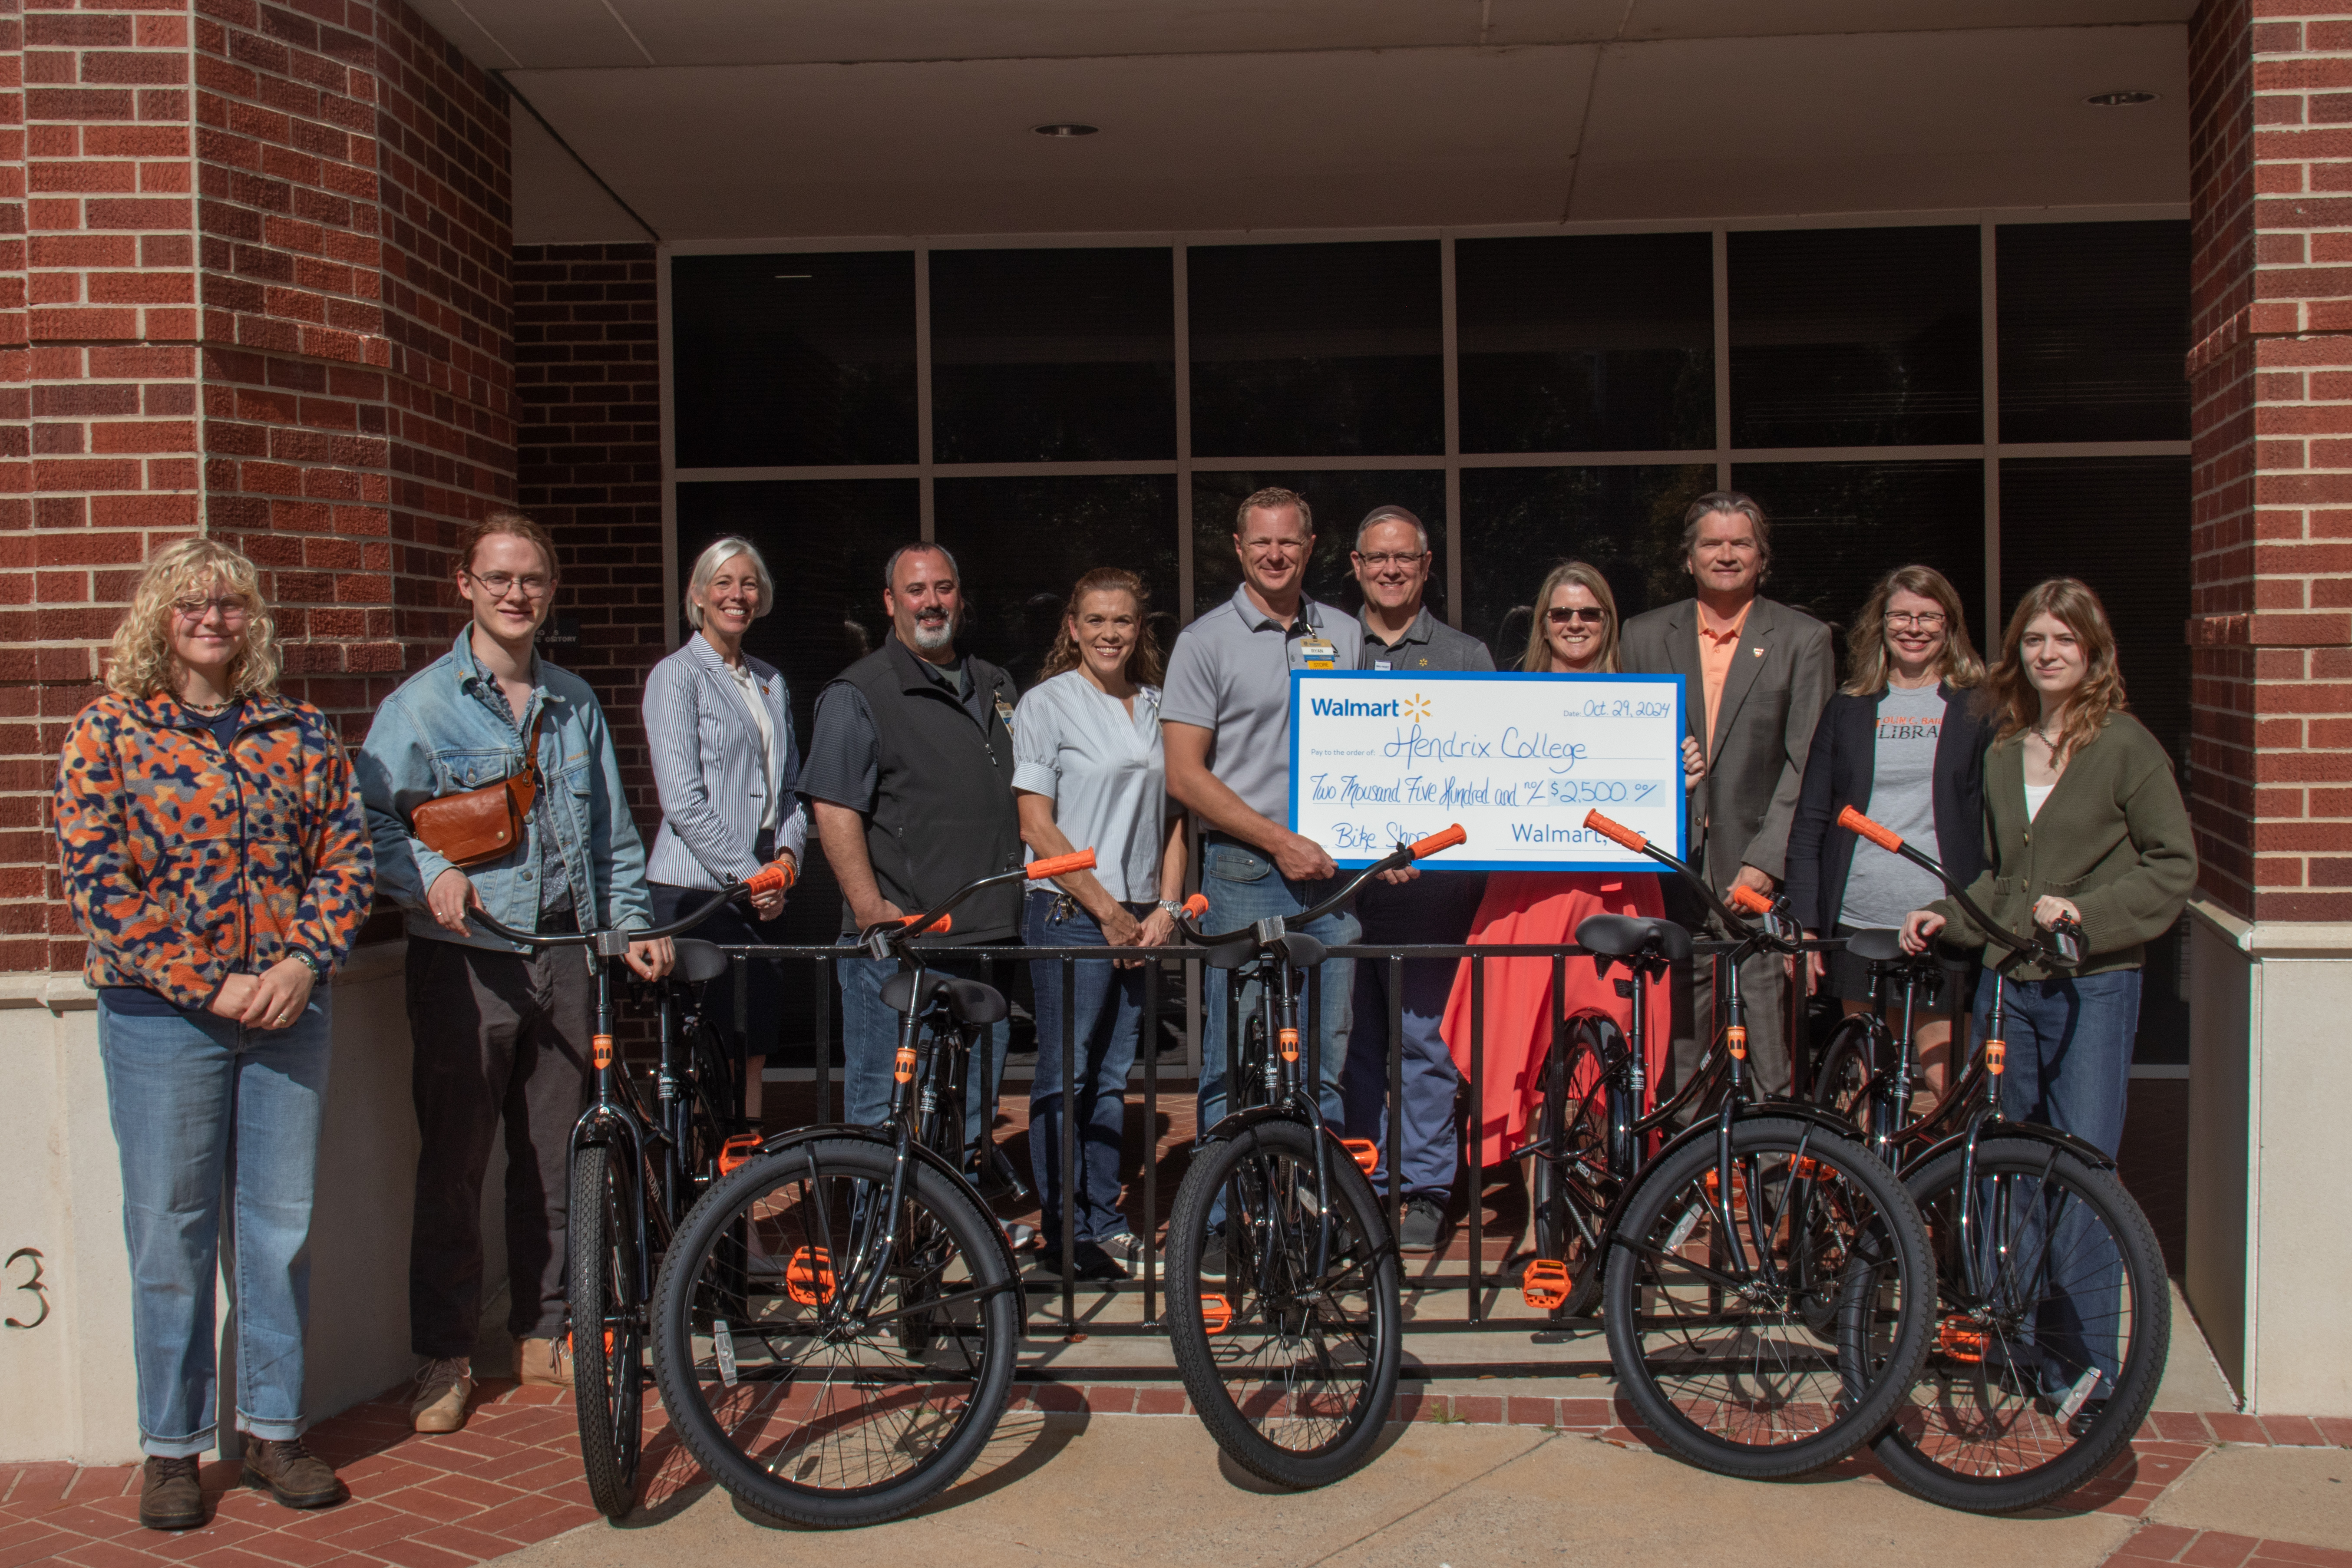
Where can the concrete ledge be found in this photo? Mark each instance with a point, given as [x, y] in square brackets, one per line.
[2282, 939]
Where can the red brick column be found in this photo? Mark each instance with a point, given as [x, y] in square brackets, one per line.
[265, 295]
[588, 375]
[2271, 378]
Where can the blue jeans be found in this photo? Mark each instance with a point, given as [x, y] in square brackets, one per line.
[1436, 907]
[1105, 1021]
[202, 1106]
[2069, 1067]
[1243, 886]
[870, 1036]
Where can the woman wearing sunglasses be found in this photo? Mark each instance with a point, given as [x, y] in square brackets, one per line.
[1575, 633]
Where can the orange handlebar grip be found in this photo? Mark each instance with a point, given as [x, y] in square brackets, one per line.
[1196, 906]
[1617, 832]
[775, 876]
[1055, 865]
[1854, 822]
[943, 925]
[1744, 897]
[1446, 838]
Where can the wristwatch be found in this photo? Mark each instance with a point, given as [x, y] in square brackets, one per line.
[318, 973]
[1171, 908]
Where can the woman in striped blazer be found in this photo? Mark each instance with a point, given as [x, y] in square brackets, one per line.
[720, 726]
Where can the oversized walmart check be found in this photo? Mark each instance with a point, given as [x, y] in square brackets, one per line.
[1517, 759]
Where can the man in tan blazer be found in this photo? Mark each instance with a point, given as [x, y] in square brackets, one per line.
[1757, 677]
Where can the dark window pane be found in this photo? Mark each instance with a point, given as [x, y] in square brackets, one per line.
[2094, 329]
[1857, 337]
[1053, 356]
[1837, 528]
[1023, 543]
[1338, 498]
[782, 360]
[1517, 524]
[1599, 342]
[1304, 349]
[2121, 524]
[825, 542]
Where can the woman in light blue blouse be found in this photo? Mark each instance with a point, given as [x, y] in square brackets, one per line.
[1088, 773]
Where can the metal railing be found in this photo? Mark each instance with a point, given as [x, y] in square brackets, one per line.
[1473, 1282]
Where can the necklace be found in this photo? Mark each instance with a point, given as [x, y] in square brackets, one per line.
[208, 707]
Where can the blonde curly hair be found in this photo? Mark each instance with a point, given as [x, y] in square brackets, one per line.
[140, 663]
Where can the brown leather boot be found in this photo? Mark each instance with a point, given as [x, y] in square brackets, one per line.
[294, 1475]
[169, 1496]
[544, 1364]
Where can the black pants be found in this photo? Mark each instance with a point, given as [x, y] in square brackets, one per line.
[1699, 1013]
[761, 1023]
[499, 1040]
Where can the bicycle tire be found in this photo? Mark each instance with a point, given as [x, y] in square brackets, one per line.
[1844, 1081]
[1297, 1431]
[1969, 1437]
[607, 1328]
[1770, 1399]
[1573, 1125]
[821, 1439]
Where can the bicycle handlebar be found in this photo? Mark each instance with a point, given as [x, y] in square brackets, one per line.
[880, 940]
[1401, 856]
[2062, 949]
[1743, 898]
[611, 942]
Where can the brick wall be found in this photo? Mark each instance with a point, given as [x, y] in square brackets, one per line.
[588, 387]
[2271, 378]
[265, 294]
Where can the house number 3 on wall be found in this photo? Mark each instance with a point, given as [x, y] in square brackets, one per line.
[31, 1258]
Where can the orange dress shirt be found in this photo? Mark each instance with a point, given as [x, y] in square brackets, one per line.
[1717, 641]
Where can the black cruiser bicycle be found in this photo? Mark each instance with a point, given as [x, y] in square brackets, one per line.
[857, 1359]
[2054, 1313]
[636, 1170]
[1767, 1291]
[1291, 1359]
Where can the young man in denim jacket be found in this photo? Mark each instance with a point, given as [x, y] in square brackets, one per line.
[502, 1034]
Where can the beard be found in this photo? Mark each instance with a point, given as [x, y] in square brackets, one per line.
[931, 636]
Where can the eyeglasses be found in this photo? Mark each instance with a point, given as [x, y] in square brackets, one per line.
[1394, 558]
[1931, 621]
[499, 583]
[229, 610]
[1592, 615]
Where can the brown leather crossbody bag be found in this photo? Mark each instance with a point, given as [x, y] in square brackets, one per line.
[481, 824]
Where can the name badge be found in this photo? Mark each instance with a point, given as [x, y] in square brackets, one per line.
[1004, 712]
[1379, 664]
[1315, 653]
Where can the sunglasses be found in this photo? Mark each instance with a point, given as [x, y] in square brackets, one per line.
[1593, 617]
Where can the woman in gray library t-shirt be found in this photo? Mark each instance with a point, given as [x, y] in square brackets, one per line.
[1902, 740]
[1088, 773]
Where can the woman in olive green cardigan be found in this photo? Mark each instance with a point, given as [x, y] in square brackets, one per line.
[2084, 819]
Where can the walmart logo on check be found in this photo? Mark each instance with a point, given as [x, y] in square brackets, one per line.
[1417, 708]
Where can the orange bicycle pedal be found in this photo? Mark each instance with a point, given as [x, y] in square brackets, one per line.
[1960, 1340]
[808, 1277]
[1364, 1152]
[1216, 1314]
[1544, 1286]
[737, 1152]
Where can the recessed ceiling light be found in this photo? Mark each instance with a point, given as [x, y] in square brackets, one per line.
[2119, 99]
[1066, 128]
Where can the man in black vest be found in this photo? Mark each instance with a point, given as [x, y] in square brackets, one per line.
[909, 776]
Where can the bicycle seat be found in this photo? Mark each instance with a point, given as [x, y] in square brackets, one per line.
[1301, 950]
[1878, 946]
[970, 1001]
[1624, 936]
[697, 961]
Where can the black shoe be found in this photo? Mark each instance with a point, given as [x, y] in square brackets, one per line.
[2079, 1425]
[1212, 1259]
[293, 1475]
[1423, 1225]
[170, 1495]
[1093, 1262]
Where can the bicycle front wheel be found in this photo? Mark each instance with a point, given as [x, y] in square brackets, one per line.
[831, 1356]
[607, 1326]
[1715, 1339]
[1842, 1084]
[2055, 1319]
[1293, 1367]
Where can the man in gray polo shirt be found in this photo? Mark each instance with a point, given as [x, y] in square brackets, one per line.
[1392, 563]
[1226, 727]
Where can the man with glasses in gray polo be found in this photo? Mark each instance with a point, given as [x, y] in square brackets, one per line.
[1225, 726]
[1393, 562]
